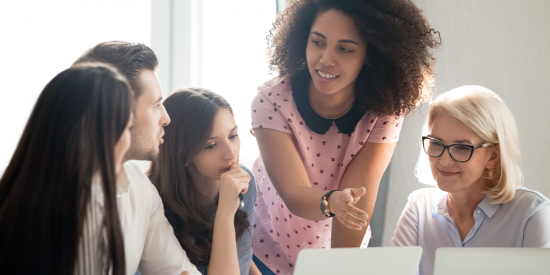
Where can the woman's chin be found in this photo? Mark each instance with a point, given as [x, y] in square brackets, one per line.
[445, 185]
[325, 89]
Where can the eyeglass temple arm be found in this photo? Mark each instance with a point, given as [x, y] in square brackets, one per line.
[485, 145]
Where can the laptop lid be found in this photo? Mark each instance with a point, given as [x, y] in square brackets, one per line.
[374, 260]
[484, 260]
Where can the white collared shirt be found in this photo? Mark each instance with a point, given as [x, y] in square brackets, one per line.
[92, 244]
[149, 240]
[425, 222]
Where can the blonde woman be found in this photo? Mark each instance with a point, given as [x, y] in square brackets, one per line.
[473, 150]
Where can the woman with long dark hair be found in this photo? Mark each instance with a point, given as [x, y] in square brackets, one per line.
[199, 179]
[58, 210]
[349, 71]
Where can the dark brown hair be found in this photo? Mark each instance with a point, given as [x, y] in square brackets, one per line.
[192, 112]
[399, 41]
[129, 58]
[45, 191]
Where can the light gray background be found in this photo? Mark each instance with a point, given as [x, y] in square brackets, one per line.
[504, 46]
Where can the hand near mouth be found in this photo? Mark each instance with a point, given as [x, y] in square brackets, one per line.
[232, 183]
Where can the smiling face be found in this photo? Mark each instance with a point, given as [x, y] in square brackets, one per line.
[221, 150]
[150, 117]
[452, 176]
[335, 52]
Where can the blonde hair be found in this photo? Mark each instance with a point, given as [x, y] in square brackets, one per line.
[484, 113]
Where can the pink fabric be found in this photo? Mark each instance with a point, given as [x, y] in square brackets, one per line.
[278, 234]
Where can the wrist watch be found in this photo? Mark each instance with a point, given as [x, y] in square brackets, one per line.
[324, 205]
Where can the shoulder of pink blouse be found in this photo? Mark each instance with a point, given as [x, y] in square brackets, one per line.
[277, 86]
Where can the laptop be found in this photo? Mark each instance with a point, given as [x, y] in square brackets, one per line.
[374, 260]
[486, 261]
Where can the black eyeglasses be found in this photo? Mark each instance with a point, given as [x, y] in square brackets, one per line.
[459, 152]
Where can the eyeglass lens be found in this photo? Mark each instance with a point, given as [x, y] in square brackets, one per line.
[459, 152]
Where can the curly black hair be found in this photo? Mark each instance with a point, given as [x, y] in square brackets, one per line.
[400, 46]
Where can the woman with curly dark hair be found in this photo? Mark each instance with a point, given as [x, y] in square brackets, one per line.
[349, 71]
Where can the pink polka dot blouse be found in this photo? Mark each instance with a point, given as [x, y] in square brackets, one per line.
[278, 234]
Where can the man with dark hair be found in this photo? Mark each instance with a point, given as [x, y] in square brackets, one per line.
[149, 239]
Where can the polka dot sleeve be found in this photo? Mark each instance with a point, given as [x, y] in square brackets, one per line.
[386, 130]
[266, 113]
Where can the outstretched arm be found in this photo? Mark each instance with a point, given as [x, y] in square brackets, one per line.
[364, 171]
[288, 175]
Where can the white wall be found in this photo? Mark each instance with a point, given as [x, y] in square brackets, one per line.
[504, 46]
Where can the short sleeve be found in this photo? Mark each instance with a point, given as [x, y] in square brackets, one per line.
[386, 130]
[406, 231]
[266, 114]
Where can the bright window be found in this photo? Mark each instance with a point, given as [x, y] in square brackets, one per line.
[42, 38]
[234, 59]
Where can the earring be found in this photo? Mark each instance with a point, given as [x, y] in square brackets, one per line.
[490, 172]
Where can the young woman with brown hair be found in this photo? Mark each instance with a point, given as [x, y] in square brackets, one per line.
[349, 71]
[58, 208]
[199, 179]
